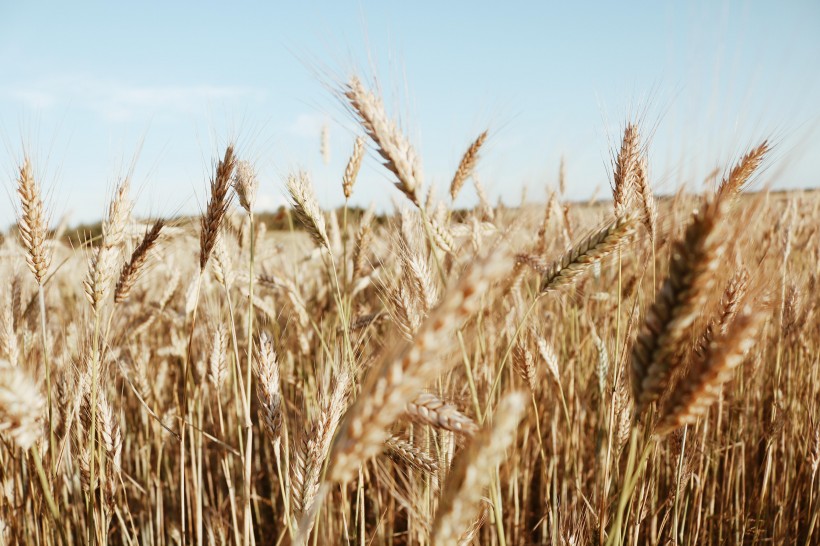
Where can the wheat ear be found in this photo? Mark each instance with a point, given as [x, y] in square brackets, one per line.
[649, 208]
[314, 450]
[131, 270]
[218, 205]
[677, 304]
[625, 170]
[354, 164]
[466, 165]
[267, 389]
[429, 409]
[32, 223]
[307, 208]
[733, 184]
[401, 450]
[399, 156]
[591, 250]
[245, 184]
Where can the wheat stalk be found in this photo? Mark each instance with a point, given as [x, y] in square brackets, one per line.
[701, 386]
[460, 504]
[405, 371]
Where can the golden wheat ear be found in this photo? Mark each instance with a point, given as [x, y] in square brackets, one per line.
[131, 269]
[740, 174]
[580, 258]
[307, 208]
[624, 178]
[245, 184]
[466, 165]
[267, 386]
[218, 205]
[32, 223]
[678, 303]
[408, 453]
[354, 164]
[398, 154]
[429, 409]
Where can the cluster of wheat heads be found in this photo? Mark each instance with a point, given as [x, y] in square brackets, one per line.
[580, 373]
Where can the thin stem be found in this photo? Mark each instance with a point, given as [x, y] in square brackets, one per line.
[248, 423]
[633, 473]
[51, 439]
[52, 506]
[509, 350]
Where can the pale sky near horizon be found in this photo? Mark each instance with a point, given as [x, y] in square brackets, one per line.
[86, 88]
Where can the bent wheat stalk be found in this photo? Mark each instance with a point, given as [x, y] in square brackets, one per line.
[460, 504]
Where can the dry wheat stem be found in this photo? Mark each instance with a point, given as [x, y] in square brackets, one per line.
[405, 371]
[459, 505]
[701, 386]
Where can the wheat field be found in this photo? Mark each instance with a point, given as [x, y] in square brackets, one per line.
[642, 370]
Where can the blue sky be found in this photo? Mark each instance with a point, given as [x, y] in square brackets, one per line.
[90, 89]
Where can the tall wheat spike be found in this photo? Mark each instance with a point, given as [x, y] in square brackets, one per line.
[585, 254]
[399, 156]
[624, 180]
[218, 205]
[354, 164]
[32, 223]
[737, 178]
[466, 166]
